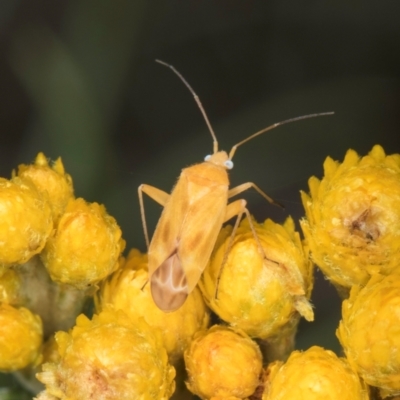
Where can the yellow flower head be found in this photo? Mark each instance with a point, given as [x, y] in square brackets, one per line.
[260, 296]
[51, 182]
[223, 363]
[370, 332]
[20, 338]
[25, 222]
[353, 217]
[128, 289]
[110, 358]
[85, 246]
[313, 375]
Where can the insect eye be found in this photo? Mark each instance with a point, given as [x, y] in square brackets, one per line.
[207, 158]
[229, 164]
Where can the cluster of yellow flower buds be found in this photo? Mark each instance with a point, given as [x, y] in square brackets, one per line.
[352, 226]
[55, 249]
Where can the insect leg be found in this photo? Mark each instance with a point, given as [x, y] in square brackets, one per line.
[158, 196]
[245, 186]
[237, 208]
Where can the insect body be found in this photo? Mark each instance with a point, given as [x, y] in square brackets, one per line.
[191, 220]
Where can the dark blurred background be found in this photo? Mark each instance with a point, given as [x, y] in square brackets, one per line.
[78, 80]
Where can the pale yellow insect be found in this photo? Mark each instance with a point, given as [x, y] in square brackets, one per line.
[192, 217]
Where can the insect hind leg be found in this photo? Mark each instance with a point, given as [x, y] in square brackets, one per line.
[237, 208]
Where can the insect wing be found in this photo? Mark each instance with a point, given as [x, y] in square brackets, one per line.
[200, 231]
[169, 227]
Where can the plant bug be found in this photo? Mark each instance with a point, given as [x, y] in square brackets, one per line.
[192, 217]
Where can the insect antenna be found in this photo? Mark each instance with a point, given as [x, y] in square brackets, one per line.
[215, 141]
[273, 126]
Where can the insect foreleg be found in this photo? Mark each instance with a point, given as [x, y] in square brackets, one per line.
[245, 186]
[158, 196]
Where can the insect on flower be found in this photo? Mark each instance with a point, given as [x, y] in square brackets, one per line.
[192, 217]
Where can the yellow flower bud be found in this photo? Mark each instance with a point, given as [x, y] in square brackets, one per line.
[85, 246]
[27, 376]
[109, 357]
[260, 296]
[25, 222]
[223, 363]
[128, 289]
[10, 285]
[353, 217]
[52, 182]
[20, 338]
[313, 375]
[369, 332]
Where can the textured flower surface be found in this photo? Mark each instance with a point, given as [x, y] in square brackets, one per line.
[51, 182]
[260, 296]
[370, 332]
[352, 220]
[85, 247]
[20, 338]
[315, 374]
[128, 289]
[25, 221]
[10, 286]
[109, 358]
[223, 363]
